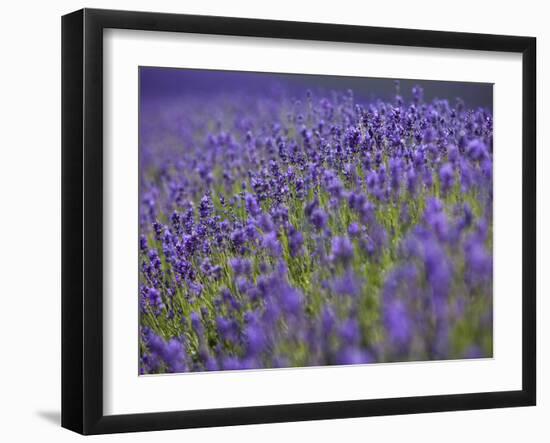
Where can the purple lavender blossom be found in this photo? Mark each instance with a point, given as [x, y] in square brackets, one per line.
[342, 250]
[319, 218]
[446, 176]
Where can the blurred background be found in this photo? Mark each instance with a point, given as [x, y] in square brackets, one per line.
[161, 83]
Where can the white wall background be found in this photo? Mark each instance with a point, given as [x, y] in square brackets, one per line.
[30, 188]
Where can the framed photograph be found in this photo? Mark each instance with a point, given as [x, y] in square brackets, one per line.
[269, 221]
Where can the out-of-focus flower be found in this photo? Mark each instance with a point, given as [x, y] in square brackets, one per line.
[342, 250]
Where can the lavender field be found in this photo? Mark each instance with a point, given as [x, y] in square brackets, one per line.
[292, 223]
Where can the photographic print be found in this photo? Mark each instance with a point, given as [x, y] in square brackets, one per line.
[290, 220]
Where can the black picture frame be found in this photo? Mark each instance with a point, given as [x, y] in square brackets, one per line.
[82, 218]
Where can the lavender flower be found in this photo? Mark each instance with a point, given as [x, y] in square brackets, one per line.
[319, 218]
[342, 250]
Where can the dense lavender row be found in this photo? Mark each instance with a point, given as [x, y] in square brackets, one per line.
[320, 231]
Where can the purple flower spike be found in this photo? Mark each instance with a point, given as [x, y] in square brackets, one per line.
[271, 243]
[342, 250]
[476, 150]
[398, 323]
[319, 218]
[446, 175]
[354, 230]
